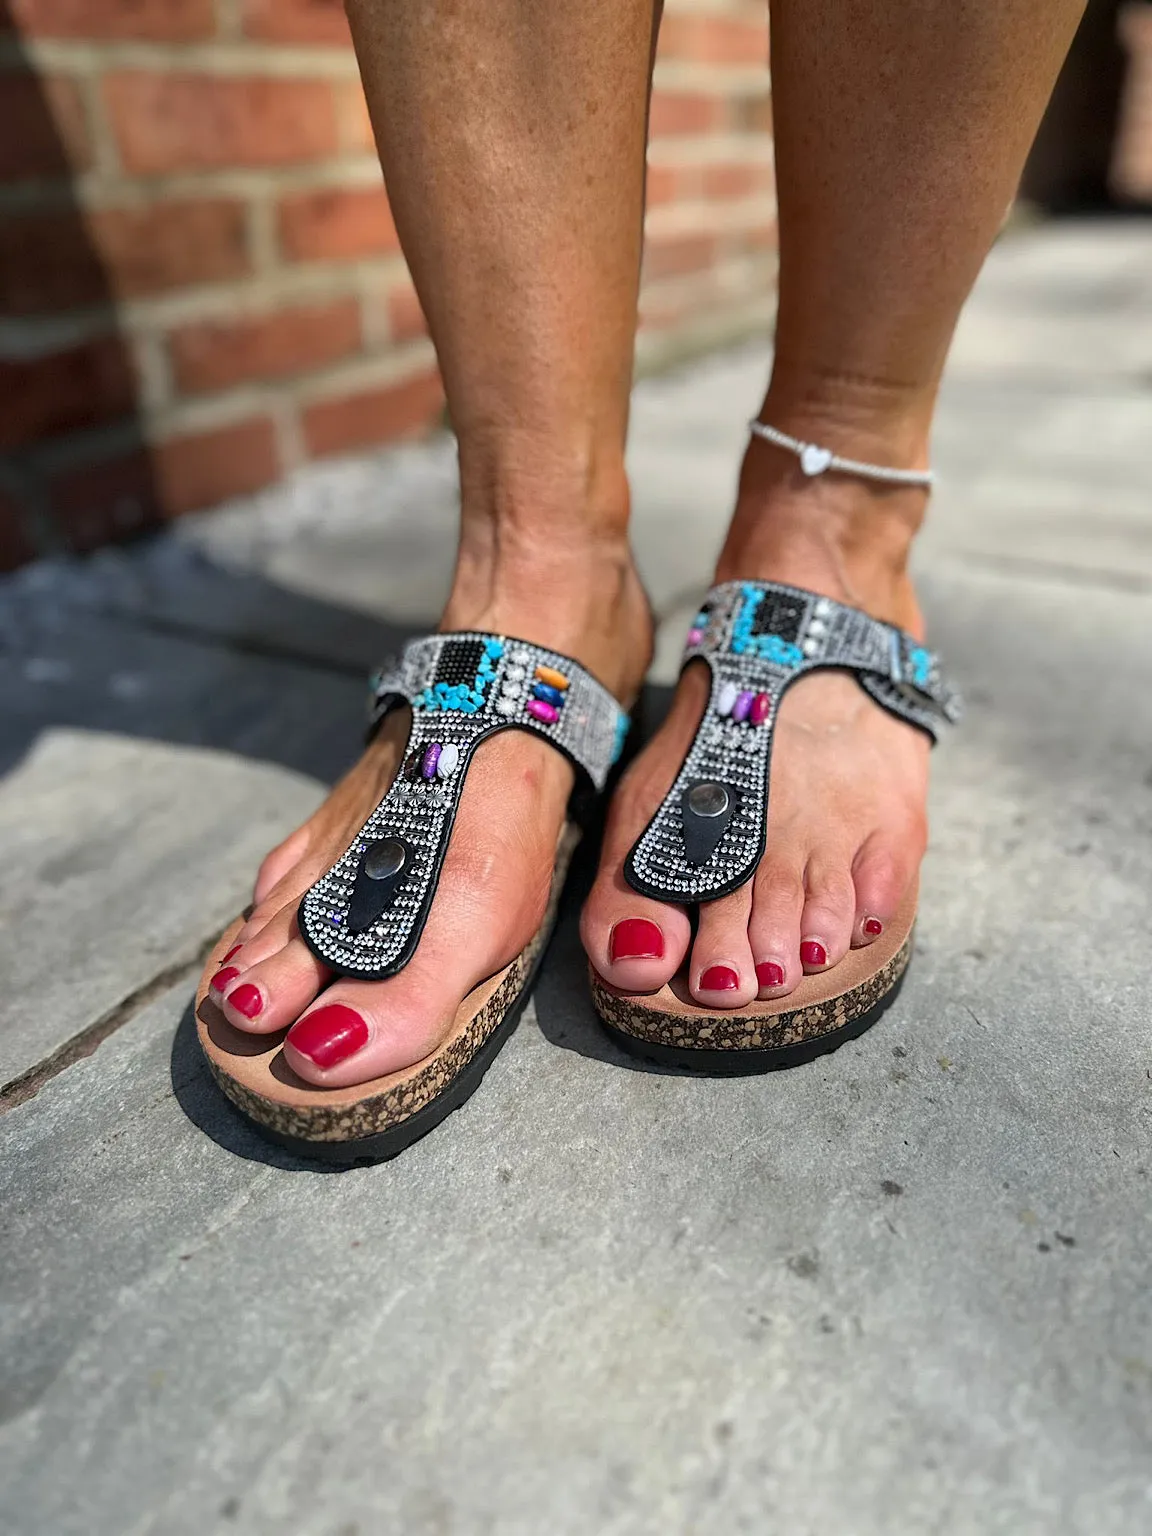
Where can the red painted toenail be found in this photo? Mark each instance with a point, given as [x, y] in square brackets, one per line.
[247, 1000]
[235, 950]
[719, 978]
[635, 939]
[769, 974]
[222, 978]
[329, 1035]
[812, 953]
[873, 926]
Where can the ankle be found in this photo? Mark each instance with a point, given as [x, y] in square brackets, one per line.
[546, 557]
[847, 537]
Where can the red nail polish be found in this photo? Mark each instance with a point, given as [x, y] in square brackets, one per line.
[329, 1035]
[222, 978]
[719, 978]
[873, 926]
[769, 974]
[235, 950]
[247, 1000]
[635, 938]
[812, 953]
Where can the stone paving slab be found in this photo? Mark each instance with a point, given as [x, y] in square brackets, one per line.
[900, 1289]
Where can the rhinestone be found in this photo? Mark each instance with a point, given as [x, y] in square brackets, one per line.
[506, 707]
[385, 859]
[708, 799]
[520, 657]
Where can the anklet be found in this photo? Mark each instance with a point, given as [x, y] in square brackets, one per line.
[815, 460]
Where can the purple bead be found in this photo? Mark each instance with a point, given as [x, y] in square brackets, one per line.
[695, 636]
[431, 758]
[546, 713]
[742, 706]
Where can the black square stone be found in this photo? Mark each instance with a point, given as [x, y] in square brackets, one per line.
[459, 662]
[780, 615]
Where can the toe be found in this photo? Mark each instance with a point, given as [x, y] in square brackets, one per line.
[279, 863]
[635, 943]
[829, 910]
[774, 924]
[883, 871]
[270, 980]
[722, 973]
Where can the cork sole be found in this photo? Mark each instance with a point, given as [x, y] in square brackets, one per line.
[671, 1028]
[380, 1118]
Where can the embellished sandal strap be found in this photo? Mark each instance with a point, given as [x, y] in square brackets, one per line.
[364, 917]
[709, 833]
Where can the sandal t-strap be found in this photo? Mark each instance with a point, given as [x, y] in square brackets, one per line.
[364, 917]
[709, 833]
[758, 637]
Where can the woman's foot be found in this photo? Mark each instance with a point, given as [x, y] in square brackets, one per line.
[847, 814]
[577, 594]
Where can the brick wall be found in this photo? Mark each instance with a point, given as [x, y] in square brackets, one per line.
[200, 282]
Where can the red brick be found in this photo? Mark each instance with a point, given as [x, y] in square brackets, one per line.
[373, 415]
[680, 112]
[714, 40]
[120, 496]
[337, 223]
[355, 126]
[42, 127]
[662, 185]
[15, 546]
[730, 181]
[161, 21]
[405, 317]
[65, 391]
[184, 122]
[56, 261]
[674, 256]
[297, 21]
[215, 355]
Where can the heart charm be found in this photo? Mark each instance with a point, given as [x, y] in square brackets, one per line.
[814, 460]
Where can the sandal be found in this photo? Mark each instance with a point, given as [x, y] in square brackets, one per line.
[364, 917]
[709, 833]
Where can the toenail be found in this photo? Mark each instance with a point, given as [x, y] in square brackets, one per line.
[222, 978]
[235, 950]
[719, 978]
[247, 1000]
[769, 974]
[329, 1035]
[812, 953]
[635, 938]
[873, 926]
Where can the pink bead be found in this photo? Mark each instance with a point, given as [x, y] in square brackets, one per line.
[761, 709]
[695, 636]
[547, 714]
[742, 705]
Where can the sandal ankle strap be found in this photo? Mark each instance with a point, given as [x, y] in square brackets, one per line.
[757, 638]
[365, 915]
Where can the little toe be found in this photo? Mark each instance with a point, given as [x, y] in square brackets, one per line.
[722, 973]
[829, 912]
[881, 876]
[774, 923]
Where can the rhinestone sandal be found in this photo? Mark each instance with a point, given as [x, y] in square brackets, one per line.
[364, 917]
[709, 833]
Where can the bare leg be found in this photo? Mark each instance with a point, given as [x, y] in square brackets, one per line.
[901, 130]
[512, 139]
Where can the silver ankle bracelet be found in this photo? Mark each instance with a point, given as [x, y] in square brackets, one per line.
[815, 460]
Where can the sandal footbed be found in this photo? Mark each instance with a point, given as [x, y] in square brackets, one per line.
[382, 1116]
[827, 1008]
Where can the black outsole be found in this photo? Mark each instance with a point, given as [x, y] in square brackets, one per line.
[398, 1138]
[750, 1063]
